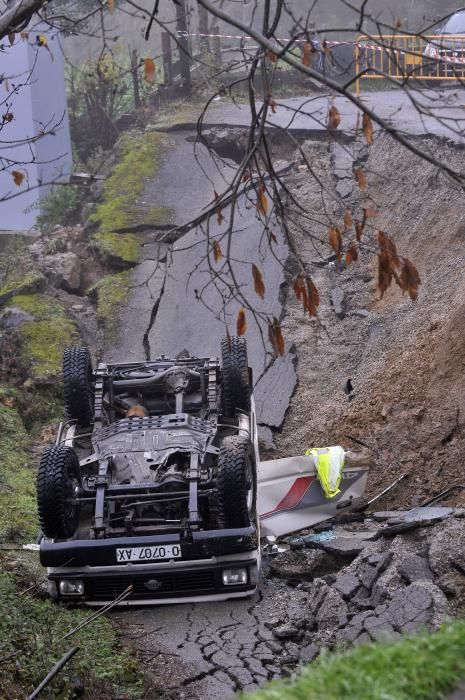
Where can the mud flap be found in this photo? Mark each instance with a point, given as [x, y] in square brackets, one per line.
[290, 497]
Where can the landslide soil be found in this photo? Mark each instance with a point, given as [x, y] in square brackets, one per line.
[405, 359]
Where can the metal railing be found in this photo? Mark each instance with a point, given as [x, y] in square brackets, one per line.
[402, 57]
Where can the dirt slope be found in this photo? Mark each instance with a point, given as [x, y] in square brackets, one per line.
[406, 360]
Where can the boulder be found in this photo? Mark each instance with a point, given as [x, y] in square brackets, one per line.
[11, 318]
[64, 270]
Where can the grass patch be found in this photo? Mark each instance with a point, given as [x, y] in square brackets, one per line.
[140, 156]
[111, 292]
[44, 340]
[18, 519]
[30, 631]
[422, 667]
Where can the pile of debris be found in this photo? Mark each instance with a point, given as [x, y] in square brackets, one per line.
[387, 574]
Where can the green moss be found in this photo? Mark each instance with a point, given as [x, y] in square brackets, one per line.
[111, 292]
[17, 484]
[44, 340]
[140, 157]
[31, 631]
[18, 281]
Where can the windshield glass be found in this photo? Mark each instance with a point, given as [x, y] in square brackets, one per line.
[454, 25]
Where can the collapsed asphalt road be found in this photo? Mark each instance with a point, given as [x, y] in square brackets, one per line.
[165, 314]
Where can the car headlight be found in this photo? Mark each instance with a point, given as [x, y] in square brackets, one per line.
[71, 587]
[234, 577]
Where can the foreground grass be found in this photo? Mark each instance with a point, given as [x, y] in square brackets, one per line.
[31, 643]
[423, 667]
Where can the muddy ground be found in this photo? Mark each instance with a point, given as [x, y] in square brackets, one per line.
[404, 359]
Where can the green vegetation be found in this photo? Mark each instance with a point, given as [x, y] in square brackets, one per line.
[61, 206]
[140, 156]
[423, 667]
[44, 340]
[17, 489]
[30, 634]
[17, 273]
[111, 292]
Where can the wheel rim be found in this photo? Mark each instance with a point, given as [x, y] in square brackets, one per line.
[249, 482]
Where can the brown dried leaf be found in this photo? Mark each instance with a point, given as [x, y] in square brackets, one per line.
[24, 36]
[384, 273]
[299, 287]
[7, 117]
[361, 179]
[359, 229]
[334, 118]
[367, 128]
[150, 70]
[111, 5]
[273, 105]
[307, 54]
[217, 252]
[241, 323]
[335, 240]
[18, 177]
[276, 337]
[271, 56]
[352, 254]
[258, 282]
[262, 201]
[219, 216]
[11, 38]
[410, 279]
[246, 176]
[313, 298]
[348, 221]
[370, 212]
[273, 238]
[387, 246]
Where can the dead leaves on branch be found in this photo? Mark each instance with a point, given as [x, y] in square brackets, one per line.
[217, 252]
[150, 70]
[307, 54]
[258, 282]
[262, 200]
[360, 179]
[335, 240]
[18, 177]
[392, 266]
[241, 322]
[334, 118]
[367, 128]
[306, 292]
[275, 336]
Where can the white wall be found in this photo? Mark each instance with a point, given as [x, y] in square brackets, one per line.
[35, 94]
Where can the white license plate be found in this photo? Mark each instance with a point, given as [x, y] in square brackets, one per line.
[169, 551]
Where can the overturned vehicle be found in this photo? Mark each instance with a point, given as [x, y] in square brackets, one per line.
[150, 493]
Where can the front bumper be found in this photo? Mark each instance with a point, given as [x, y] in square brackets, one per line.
[195, 577]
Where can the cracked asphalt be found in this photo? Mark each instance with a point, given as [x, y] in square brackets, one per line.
[203, 651]
[181, 306]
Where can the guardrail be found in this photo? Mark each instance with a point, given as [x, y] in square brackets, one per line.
[402, 57]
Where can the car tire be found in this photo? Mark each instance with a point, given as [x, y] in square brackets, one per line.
[77, 379]
[57, 480]
[236, 483]
[236, 384]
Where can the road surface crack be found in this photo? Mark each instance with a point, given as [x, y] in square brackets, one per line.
[153, 318]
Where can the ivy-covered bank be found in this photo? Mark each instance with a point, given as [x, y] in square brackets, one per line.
[140, 156]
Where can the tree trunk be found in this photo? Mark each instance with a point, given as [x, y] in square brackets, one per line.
[184, 57]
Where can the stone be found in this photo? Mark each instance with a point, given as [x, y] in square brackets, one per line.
[368, 575]
[383, 515]
[265, 437]
[12, 317]
[361, 313]
[241, 675]
[64, 270]
[408, 605]
[309, 653]
[338, 302]
[414, 568]
[447, 549]
[286, 631]
[345, 187]
[347, 585]
[379, 628]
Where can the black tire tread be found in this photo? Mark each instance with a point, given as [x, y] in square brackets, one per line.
[231, 482]
[77, 369]
[55, 464]
[236, 385]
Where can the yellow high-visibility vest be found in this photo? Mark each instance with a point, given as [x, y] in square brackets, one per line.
[329, 463]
